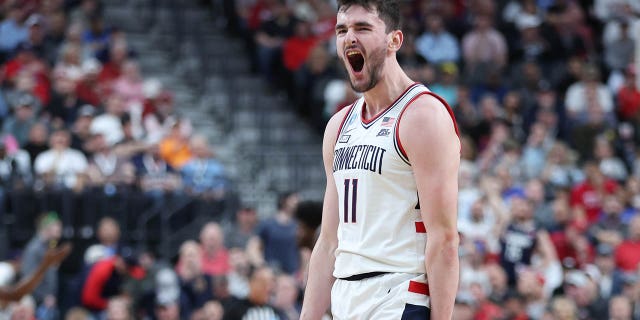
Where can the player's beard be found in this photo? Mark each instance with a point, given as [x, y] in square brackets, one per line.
[374, 65]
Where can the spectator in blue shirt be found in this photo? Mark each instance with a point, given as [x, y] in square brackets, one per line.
[436, 44]
[97, 37]
[278, 236]
[203, 175]
[12, 29]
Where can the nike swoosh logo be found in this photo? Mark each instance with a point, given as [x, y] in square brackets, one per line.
[347, 131]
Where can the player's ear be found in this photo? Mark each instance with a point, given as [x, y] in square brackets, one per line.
[395, 40]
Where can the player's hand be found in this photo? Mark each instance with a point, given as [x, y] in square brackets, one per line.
[55, 255]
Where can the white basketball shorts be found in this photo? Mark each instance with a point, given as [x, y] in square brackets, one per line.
[389, 296]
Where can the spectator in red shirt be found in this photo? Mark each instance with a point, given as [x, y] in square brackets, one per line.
[28, 73]
[486, 309]
[324, 26]
[514, 307]
[106, 278]
[627, 254]
[629, 97]
[88, 88]
[112, 69]
[296, 49]
[572, 246]
[586, 197]
[215, 258]
[24, 56]
[260, 12]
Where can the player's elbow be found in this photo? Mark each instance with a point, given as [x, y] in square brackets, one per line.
[444, 243]
[445, 236]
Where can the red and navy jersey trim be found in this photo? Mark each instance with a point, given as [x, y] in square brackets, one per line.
[396, 141]
[418, 287]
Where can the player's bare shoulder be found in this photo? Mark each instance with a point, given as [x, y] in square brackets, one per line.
[428, 113]
[428, 122]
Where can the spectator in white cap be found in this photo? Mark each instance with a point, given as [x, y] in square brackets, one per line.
[167, 296]
[584, 292]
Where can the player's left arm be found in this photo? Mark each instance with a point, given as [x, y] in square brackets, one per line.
[429, 138]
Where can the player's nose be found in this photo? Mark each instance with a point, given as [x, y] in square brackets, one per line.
[350, 37]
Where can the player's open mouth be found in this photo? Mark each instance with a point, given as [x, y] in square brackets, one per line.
[356, 60]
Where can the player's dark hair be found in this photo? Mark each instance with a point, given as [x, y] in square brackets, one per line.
[388, 10]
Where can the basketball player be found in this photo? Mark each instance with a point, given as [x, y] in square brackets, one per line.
[391, 160]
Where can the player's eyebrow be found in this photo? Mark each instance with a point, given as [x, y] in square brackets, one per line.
[341, 26]
[363, 24]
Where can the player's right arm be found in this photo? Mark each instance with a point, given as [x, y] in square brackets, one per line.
[317, 297]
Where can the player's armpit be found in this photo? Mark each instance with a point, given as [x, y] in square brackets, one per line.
[429, 138]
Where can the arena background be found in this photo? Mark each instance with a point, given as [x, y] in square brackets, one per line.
[189, 112]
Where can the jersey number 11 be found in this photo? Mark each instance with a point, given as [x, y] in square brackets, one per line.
[348, 183]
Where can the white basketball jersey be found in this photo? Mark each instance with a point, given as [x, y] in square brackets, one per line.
[380, 228]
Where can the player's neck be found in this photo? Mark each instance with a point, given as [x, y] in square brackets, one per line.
[393, 82]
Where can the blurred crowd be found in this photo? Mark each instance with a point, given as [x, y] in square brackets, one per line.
[79, 120]
[547, 101]
[545, 96]
[77, 114]
[241, 268]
